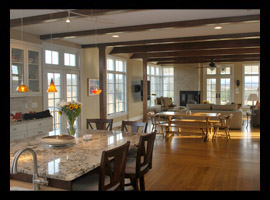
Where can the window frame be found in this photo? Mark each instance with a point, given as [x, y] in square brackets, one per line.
[114, 72]
[168, 76]
[243, 81]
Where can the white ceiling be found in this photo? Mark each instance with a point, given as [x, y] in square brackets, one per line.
[139, 18]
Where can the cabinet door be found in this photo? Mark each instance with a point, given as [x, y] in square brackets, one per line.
[17, 68]
[33, 58]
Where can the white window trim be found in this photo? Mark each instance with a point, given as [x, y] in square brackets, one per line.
[231, 75]
[114, 58]
[163, 67]
[62, 69]
[243, 81]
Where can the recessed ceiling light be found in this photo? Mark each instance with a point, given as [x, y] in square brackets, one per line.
[67, 21]
[218, 27]
[115, 36]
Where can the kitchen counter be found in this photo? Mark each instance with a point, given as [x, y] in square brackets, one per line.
[69, 162]
[26, 121]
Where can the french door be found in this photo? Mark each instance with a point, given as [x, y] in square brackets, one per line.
[68, 87]
[218, 85]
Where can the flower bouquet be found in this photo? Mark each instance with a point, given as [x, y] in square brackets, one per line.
[72, 110]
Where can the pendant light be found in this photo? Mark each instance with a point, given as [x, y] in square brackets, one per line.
[51, 87]
[22, 87]
[96, 91]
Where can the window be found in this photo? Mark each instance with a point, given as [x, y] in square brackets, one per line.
[51, 57]
[168, 82]
[162, 82]
[251, 81]
[116, 86]
[154, 75]
[70, 59]
[218, 84]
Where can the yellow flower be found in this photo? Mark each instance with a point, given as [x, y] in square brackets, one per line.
[60, 113]
[75, 106]
[71, 107]
[79, 105]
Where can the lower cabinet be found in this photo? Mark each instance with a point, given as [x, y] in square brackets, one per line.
[31, 128]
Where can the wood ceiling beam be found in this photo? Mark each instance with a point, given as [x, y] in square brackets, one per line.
[196, 53]
[204, 57]
[188, 46]
[146, 27]
[206, 61]
[63, 15]
[174, 40]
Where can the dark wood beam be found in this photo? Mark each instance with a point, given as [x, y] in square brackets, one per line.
[102, 83]
[145, 118]
[205, 57]
[63, 15]
[207, 61]
[180, 39]
[188, 46]
[146, 27]
[196, 53]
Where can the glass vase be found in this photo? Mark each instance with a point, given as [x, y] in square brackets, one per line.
[71, 129]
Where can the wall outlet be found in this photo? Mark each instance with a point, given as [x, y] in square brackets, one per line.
[34, 105]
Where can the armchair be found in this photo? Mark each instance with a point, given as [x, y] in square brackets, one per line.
[165, 102]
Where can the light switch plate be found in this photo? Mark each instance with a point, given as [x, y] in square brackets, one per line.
[34, 104]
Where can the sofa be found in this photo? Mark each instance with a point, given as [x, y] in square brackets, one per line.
[255, 118]
[236, 122]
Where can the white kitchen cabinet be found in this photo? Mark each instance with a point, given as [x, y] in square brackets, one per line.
[25, 61]
[29, 128]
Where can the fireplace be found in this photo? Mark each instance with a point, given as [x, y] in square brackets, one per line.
[189, 97]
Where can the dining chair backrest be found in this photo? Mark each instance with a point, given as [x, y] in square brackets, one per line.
[115, 172]
[228, 119]
[134, 126]
[100, 124]
[145, 153]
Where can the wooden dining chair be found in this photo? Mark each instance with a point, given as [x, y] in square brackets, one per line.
[137, 167]
[111, 174]
[100, 124]
[225, 121]
[134, 126]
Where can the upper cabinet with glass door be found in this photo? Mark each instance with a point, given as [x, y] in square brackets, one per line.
[25, 67]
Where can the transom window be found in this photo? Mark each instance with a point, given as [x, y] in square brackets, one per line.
[70, 59]
[116, 86]
[51, 57]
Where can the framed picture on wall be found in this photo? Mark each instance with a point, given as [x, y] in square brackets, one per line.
[93, 86]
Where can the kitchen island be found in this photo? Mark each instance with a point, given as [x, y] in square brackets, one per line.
[61, 165]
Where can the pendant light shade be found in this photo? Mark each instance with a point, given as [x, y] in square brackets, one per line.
[52, 88]
[22, 88]
[96, 91]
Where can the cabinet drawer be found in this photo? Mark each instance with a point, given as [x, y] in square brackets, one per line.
[17, 128]
[17, 136]
[39, 123]
[43, 130]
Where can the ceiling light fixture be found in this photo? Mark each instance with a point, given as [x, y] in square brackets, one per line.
[115, 36]
[68, 20]
[22, 87]
[218, 27]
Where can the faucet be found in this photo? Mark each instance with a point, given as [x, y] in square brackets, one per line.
[37, 181]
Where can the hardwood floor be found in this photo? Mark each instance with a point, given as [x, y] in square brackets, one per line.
[186, 163]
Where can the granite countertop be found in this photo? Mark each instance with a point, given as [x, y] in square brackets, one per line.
[70, 161]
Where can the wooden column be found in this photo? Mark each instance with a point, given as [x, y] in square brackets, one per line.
[145, 90]
[102, 82]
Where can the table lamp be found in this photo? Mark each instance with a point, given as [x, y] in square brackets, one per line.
[252, 97]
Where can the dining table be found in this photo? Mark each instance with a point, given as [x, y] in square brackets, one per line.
[190, 120]
[63, 164]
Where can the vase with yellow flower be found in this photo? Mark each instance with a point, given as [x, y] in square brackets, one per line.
[72, 110]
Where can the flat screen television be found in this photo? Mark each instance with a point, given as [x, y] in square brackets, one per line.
[148, 90]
